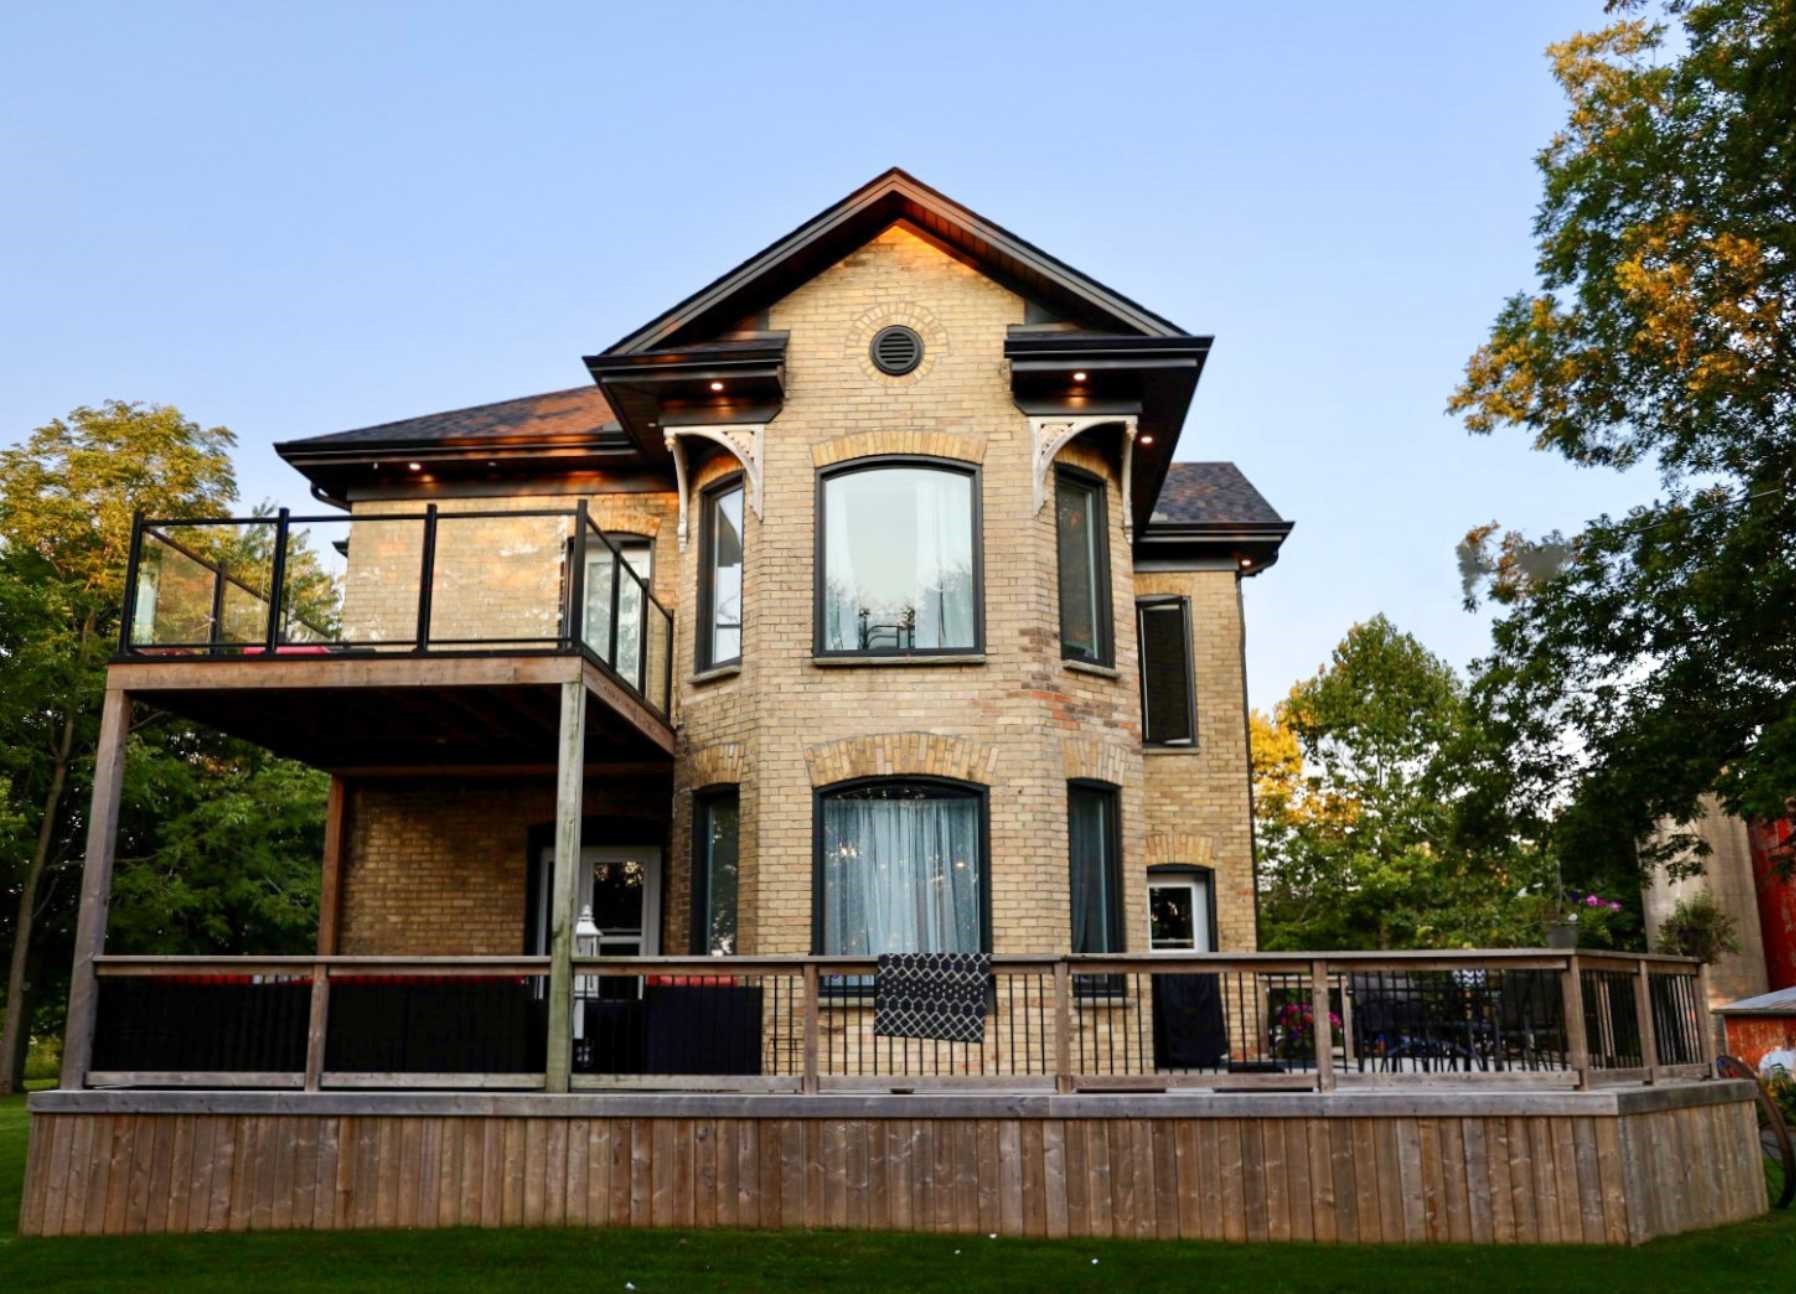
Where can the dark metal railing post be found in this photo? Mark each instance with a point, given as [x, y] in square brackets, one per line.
[215, 632]
[128, 614]
[576, 583]
[617, 560]
[427, 564]
[277, 580]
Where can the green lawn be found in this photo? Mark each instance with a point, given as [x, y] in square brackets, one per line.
[1755, 1256]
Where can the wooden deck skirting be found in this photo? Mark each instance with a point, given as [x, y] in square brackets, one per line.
[1616, 1166]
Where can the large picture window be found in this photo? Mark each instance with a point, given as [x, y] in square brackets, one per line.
[1168, 711]
[898, 560]
[720, 577]
[901, 868]
[1094, 847]
[1084, 552]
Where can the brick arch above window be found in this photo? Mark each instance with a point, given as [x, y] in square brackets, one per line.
[1180, 847]
[902, 754]
[959, 446]
[719, 765]
[1086, 759]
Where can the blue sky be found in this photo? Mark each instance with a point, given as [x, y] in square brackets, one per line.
[299, 219]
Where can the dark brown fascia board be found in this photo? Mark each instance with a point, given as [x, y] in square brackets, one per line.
[1259, 541]
[629, 382]
[609, 440]
[896, 190]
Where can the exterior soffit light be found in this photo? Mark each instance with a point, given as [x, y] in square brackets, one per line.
[717, 386]
[1078, 377]
[416, 467]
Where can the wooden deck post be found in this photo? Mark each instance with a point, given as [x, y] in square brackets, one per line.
[1321, 1027]
[330, 909]
[1643, 1014]
[1711, 1023]
[1063, 1026]
[96, 887]
[1577, 1038]
[570, 778]
[809, 1082]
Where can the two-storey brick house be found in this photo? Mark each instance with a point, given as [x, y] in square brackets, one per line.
[905, 485]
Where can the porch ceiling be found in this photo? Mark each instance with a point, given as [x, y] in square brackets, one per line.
[402, 712]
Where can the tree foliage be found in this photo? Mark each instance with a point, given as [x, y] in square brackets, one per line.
[1652, 657]
[1368, 829]
[212, 845]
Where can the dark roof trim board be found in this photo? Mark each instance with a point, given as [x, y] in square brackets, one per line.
[840, 228]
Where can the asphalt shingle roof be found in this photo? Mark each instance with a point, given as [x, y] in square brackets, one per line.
[579, 410]
[1211, 494]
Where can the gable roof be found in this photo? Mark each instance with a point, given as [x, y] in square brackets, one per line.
[844, 226]
[1211, 494]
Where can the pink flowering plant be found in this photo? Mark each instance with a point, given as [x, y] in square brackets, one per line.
[1296, 1033]
[1597, 918]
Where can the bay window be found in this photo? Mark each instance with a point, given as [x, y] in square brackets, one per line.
[1094, 847]
[901, 869]
[1084, 556]
[716, 823]
[720, 576]
[898, 560]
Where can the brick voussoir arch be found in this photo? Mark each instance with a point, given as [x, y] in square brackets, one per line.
[962, 446]
[901, 754]
[1180, 847]
[1091, 760]
[719, 765]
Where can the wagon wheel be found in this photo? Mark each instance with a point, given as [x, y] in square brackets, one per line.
[1774, 1135]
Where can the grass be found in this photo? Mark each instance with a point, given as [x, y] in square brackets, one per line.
[1758, 1255]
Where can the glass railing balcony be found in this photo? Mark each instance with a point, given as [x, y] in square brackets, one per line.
[421, 582]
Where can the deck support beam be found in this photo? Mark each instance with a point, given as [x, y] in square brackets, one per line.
[96, 887]
[570, 776]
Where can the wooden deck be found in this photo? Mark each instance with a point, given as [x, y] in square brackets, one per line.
[1616, 1166]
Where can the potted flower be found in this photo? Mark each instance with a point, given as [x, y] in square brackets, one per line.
[1584, 921]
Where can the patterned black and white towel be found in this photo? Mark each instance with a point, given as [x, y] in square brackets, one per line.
[932, 995]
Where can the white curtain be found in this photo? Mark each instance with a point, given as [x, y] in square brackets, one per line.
[900, 875]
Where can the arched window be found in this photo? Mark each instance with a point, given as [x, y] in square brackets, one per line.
[901, 868]
[898, 562]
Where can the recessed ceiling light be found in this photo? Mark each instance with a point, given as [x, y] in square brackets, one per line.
[717, 386]
[416, 467]
[1147, 440]
[492, 462]
[1078, 377]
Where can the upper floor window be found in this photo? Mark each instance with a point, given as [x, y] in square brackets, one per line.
[1168, 708]
[720, 576]
[1084, 567]
[898, 560]
[900, 869]
[638, 552]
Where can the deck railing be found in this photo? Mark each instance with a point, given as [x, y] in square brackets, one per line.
[806, 1024]
[430, 582]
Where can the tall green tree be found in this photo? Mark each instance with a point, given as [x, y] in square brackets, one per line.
[1361, 802]
[1652, 656]
[200, 813]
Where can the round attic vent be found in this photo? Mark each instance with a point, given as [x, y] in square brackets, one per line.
[897, 350]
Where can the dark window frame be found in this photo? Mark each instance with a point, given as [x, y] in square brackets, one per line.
[1188, 872]
[1184, 604]
[976, 791]
[703, 799]
[1119, 926]
[1099, 489]
[875, 462]
[705, 629]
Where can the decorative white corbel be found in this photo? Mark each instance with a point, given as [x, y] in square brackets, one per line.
[1051, 435]
[743, 440]
[1128, 479]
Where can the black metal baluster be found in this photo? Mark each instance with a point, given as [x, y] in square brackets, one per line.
[277, 580]
[426, 577]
